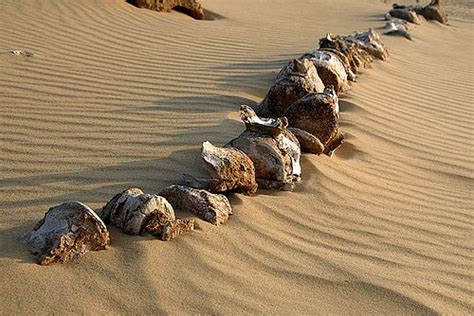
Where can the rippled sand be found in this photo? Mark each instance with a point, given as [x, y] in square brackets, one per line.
[116, 97]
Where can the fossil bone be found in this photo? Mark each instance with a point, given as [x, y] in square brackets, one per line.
[294, 81]
[330, 68]
[214, 208]
[135, 213]
[308, 142]
[355, 54]
[317, 114]
[406, 13]
[371, 42]
[67, 232]
[397, 27]
[191, 7]
[435, 10]
[230, 170]
[273, 149]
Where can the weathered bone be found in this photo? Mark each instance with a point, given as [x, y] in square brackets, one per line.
[294, 81]
[230, 169]
[67, 232]
[270, 126]
[173, 229]
[214, 208]
[277, 128]
[273, 149]
[135, 213]
[371, 42]
[20, 52]
[361, 57]
[308, 142]
[191, 7]
[330, 69]
[355, 54]
[351, 76]
[406, 13]
[435, 10]
[397, 27]
[317, 114]
[409, 26]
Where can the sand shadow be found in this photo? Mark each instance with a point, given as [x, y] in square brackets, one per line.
[212, 16]
[346, 106]
[150, 175]
[253, 78]
[11, 246]
[199, 104]
[346, 151]
[375, 17]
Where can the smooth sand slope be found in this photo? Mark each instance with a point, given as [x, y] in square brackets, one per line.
[118, 97]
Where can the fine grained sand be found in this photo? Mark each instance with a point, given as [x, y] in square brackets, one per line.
[117, 97]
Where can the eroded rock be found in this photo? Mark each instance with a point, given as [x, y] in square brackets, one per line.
[317, 114]
[191, 7]
[294, 81]
[213, 208]
[230, 170]
[67, 232]
[135, 213]
[274, 150]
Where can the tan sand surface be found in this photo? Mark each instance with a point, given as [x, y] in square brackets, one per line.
[116, 97]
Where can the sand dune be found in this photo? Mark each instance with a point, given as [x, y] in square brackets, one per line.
[116, 97]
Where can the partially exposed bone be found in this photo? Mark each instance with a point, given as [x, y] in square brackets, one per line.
[355, 54]
[330, 69]
[270, 126]
[24, 53]
[273, 149]
[435, 10]
[294, 81]
[364, 58]
[191, 7]
[135, 213]
[406, 13]
[371, 42]
[290, 144]
[173, 229]
[317, 114]
[351, 76]
[214, 208]
[396, 28]
[67, 232]
[277, 128]
[409, 26]
[230, 170]
[308, 142]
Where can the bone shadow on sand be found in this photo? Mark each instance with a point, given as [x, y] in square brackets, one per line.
[254, 77]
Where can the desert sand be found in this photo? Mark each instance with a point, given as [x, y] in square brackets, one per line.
[116, 97]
